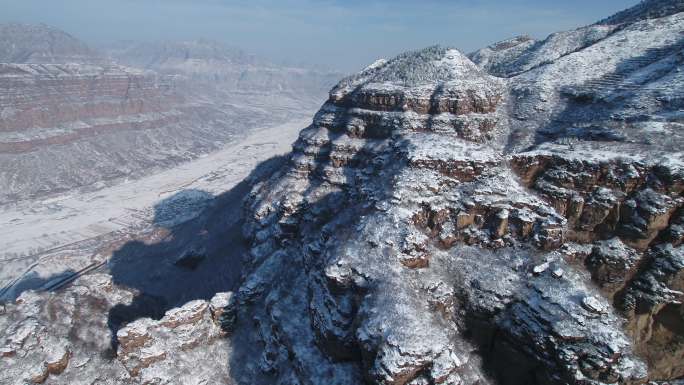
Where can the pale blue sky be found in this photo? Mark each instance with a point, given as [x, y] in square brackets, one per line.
[345, 35]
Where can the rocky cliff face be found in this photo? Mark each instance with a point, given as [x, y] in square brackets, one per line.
[48, 95]
[439, 225]
[517, 218]
[71, 125]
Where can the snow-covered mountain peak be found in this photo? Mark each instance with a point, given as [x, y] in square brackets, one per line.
[429, 65]
[26, 43]
[421, 73]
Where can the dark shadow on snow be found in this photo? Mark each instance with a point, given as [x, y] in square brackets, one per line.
[193, 260]
[33, 281]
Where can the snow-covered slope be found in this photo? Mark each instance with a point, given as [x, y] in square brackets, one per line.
[646, 9]
[514, 56]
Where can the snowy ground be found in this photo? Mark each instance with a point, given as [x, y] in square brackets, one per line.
[41, 239]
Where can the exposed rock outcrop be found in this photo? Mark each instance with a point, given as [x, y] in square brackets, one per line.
[653, 305]
[65, 338]
[151, 349]
[58, 118]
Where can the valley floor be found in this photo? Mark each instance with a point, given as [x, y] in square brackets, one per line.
[67, 233]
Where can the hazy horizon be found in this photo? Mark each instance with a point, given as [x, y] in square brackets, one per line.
[339, 35]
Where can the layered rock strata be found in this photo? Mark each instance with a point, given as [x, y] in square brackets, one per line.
[46, 96]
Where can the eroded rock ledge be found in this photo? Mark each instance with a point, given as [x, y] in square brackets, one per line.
[65, 338]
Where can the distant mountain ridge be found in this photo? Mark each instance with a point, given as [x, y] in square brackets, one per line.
[165, 55]
[36, 44]
[215, 64]
[646, 9]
